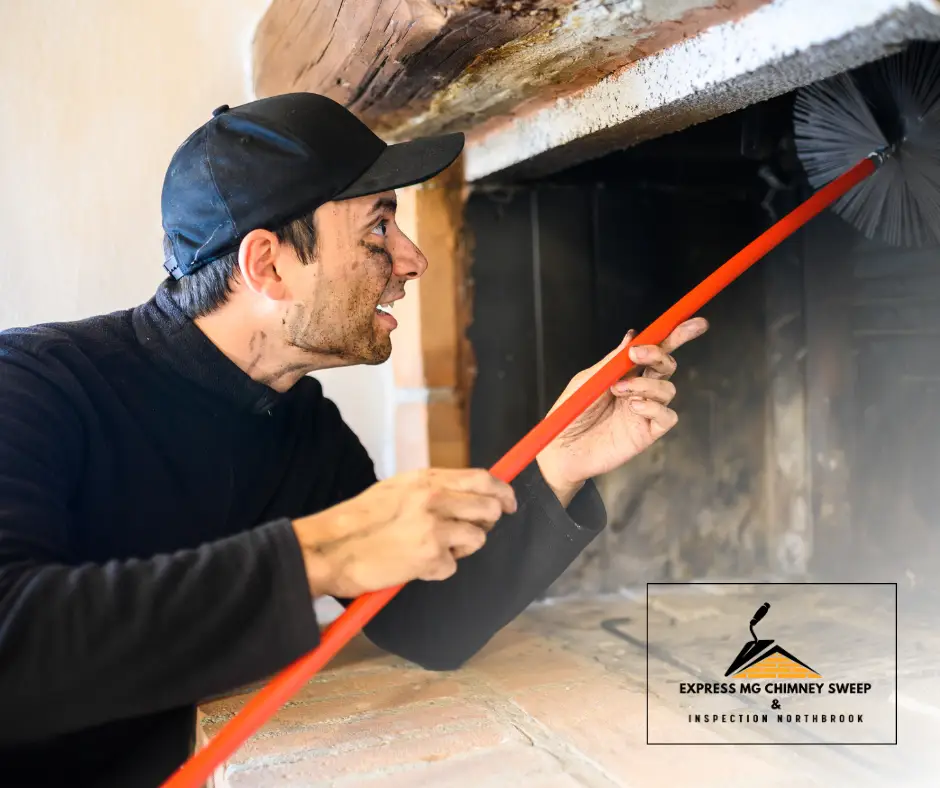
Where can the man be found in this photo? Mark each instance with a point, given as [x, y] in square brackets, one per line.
[175, 490]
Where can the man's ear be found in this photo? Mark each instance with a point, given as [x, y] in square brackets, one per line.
[257, 261]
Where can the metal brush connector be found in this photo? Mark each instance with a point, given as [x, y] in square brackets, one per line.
[882, 155]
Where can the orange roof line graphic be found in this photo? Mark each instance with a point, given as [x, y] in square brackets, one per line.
[779, 652]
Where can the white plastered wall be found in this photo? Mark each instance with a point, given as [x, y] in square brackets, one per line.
[94, 98]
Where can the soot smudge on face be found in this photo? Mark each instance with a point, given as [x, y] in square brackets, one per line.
[340, 319]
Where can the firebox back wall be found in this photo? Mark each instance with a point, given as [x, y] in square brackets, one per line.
[560, 271]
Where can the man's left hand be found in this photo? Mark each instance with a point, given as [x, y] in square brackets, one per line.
[624, 421]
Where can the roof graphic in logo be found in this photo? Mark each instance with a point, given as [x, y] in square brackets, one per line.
[761, 659]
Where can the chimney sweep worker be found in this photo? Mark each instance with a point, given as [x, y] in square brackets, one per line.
[175, 489]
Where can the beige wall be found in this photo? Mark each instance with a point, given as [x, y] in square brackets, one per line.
[94, 98]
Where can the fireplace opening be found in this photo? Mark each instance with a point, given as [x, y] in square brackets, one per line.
[809, 423]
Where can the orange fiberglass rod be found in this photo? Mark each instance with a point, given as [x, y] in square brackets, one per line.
[198, 769]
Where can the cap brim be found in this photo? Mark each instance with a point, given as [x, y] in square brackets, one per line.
[405, 164]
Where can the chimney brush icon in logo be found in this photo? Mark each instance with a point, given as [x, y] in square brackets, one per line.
[760, 659]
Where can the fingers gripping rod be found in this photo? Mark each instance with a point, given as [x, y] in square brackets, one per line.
[194, 772]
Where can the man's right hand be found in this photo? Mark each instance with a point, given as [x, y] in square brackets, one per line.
[412, 526]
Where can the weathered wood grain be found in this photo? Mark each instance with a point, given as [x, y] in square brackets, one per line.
[411, 67]
[380, 56]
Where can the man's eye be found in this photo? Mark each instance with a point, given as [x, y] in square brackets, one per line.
[381, 228]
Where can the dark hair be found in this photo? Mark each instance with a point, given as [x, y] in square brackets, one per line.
[207, 288]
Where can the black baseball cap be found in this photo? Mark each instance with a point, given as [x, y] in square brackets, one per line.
[268, 162]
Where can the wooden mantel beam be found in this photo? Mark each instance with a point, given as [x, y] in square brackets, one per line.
[383, 58]
[414, 67]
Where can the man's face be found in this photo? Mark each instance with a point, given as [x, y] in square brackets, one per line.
[362, 261]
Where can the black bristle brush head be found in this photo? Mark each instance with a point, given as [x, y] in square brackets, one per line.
[890, 107]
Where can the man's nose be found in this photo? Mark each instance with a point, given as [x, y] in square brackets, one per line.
[408, 262]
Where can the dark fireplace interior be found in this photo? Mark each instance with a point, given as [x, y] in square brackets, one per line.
[809, 431]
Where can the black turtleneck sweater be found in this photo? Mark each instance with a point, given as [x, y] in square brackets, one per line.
[147, 559]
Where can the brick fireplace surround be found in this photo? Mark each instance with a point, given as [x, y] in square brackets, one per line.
[555, 700]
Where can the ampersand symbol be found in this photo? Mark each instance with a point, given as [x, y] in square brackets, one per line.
[775, 704]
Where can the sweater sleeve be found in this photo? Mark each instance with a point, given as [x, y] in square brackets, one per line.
[441, 624]
[99, 642]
